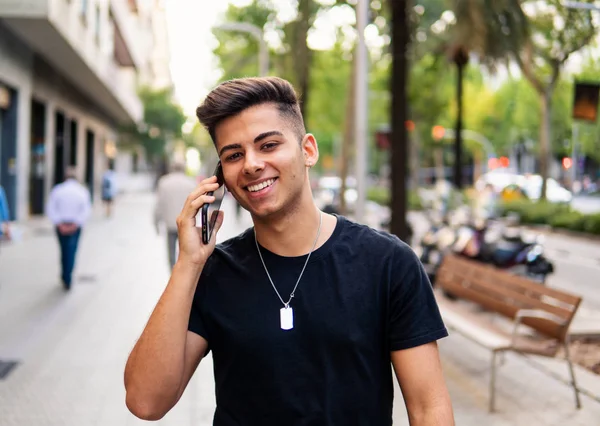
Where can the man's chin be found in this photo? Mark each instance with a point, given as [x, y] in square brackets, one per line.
[263, 212]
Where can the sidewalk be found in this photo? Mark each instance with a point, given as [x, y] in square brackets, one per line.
[72, 347]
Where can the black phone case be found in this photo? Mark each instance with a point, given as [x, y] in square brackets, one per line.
[205, 236]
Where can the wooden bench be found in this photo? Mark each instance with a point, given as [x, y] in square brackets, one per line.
[545, 311]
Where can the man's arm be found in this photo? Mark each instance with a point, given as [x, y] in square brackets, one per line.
[167, 354]
[420, 376]
[52, 209]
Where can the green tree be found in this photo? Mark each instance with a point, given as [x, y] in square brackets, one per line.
[491, 29]
[556, 33]
[162, 123]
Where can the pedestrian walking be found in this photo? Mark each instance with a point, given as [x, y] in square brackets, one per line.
[171, 193]
[109, 188]
[4, 216]
[304, 313]
[69, 206]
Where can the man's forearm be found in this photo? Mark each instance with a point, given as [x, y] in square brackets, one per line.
[155, 367]
[440, 414]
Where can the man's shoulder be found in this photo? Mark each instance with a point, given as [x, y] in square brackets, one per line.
[373, 244]
[238, 245]
[232, 252]
[369, 237]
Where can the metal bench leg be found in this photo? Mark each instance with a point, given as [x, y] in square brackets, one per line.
[493, 383]
[502, 358]
[572, 372]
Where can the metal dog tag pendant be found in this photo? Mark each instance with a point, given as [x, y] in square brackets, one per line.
[287, 318]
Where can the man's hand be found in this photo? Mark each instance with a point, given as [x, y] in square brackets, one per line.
[191, 248]
[67, 228]
[6, 231]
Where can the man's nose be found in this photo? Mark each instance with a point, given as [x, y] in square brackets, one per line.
[253, 164]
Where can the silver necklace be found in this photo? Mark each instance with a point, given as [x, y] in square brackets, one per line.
[286, 314]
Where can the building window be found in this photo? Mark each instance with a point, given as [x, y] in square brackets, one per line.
[83, 10]
[97, 25]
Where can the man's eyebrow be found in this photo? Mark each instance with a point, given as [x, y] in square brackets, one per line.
[229, 148]
[256, 140]
[267, 134]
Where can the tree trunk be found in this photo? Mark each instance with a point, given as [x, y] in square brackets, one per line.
[348, 140]
[414, 144]
[399, 139]
[545, 140]
[459, 125]
[304, 55]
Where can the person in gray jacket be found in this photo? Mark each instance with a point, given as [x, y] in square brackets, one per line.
[171, 193]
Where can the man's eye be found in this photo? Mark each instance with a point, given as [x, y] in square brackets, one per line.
[233, 156]
[269, 145]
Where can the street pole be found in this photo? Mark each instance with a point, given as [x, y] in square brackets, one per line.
[361, 109]
[257, 33]
[574, 154]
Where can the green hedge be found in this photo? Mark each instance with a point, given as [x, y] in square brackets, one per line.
[559, 216]
[381, 195]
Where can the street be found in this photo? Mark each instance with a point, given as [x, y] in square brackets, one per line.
[71, 348]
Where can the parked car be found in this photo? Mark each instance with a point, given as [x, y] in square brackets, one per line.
[327, 191]
[530, 185]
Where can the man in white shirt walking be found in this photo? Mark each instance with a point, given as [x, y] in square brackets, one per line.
[68, 208]
[171, 193]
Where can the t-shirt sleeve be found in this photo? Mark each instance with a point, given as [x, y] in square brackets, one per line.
[415, 318]
[197, 322]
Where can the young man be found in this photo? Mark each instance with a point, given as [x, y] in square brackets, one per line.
[304, 312]
[69, 207]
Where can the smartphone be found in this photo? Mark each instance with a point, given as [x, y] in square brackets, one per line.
[210, 211]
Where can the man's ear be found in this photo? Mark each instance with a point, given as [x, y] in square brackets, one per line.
[310, 150]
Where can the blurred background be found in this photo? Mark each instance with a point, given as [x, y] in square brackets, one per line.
[462, 126]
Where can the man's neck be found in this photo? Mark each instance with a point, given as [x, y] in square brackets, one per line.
[293, 234]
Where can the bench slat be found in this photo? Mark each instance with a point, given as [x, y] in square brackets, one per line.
[511, 280]
[506, 294]
[473, 329]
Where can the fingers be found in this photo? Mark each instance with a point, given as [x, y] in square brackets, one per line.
[196, 200]
[205, 186]
[199, 196]
[218, 224]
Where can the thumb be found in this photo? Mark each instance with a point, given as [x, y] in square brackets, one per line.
[218, 224]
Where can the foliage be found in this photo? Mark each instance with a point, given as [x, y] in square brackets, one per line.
[381, 195]
[558, 216]
[162, 123]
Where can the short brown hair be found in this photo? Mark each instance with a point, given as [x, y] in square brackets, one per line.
[234, 96]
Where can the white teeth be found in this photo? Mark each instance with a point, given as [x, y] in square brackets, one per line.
[261, 185]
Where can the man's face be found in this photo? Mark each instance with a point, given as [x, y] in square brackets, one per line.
[264, 164]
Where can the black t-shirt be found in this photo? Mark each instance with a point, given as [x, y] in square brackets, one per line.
[363, 294]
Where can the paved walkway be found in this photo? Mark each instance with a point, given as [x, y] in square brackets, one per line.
[72, 347]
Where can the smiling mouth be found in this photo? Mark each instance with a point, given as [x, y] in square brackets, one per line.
[260, 186]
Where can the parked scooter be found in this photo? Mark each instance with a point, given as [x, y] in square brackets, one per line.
[504, 248]
[477, 239]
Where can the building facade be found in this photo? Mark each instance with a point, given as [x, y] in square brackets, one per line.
[69, 72]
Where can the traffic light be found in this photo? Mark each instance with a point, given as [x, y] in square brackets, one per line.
[567, 162]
